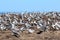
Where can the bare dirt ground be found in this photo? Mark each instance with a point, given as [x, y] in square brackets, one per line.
[50, 35]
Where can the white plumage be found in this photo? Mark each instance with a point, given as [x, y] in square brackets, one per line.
[30, 30]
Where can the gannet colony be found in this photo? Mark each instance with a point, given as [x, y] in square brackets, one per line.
[33, 22]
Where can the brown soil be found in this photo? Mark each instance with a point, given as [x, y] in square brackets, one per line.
[50, 35]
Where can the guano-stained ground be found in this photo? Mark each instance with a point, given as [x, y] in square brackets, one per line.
[50, 35]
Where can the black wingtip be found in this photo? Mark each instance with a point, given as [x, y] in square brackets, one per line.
[39, 32]
[16, 35]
